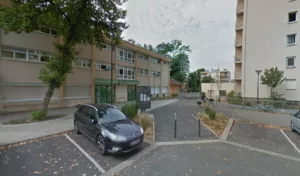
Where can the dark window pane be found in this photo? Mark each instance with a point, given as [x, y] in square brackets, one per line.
[20, 55]
[7, 54]
[45, 58]
[292, 16]
[290, 62]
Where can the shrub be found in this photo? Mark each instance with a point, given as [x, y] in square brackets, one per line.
[174, 95]
[38, 115]
[211, 113]
[130, 110]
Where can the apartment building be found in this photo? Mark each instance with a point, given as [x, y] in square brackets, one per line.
[222, 76]
[23, 56]
[267, 35]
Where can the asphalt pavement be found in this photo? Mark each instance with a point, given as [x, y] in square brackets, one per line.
[187, 125]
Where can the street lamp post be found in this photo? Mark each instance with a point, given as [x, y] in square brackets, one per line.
[257, 97]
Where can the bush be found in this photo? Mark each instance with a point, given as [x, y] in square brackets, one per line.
[211, 113]
[146, 121]
[38, 115]
[174, 95]
[130, 110]
[234, 98]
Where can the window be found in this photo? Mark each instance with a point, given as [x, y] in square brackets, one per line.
[154, 73]
[124, 72]
[110, 115]
[25, 54]
[290, 61]
[102, 66]
[85, 63]
[290, 84]
[143, 72]
[106, 46]
[292, 17]
[125, 55]
[291, 39]
[154, 60]
[142, 57]
[47, 30]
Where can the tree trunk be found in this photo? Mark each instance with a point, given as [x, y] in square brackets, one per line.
[47, 98]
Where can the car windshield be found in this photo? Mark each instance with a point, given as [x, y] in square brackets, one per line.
[110, 115]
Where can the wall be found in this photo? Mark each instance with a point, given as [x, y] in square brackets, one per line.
[266, 45]
[223, 86]
[121, 93]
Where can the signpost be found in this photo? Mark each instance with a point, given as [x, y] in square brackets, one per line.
[143, 97]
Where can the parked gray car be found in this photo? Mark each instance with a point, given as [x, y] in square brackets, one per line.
[295, 122]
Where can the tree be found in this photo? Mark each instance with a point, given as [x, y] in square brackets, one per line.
[131, 41]
[194, 80]
[208, 79]
[180, 63]
[80, 21]
[272, 77]
[172, 49]
[179, 67]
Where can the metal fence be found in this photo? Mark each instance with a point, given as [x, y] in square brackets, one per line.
[265, 105]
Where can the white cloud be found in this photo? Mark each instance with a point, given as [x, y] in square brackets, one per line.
[206, 25]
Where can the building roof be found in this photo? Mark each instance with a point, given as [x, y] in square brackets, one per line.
[174, 82]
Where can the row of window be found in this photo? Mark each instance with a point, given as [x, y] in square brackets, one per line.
[154, 73]
[125, 55]
[143, 72]
[124, 72]
[25, 54]
[49, 31]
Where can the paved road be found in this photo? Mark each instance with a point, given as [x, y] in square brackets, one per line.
[262, 117]
[210, 159]
[187, 125]
[271, 139]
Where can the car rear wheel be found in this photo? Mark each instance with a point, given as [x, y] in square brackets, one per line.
[101, 145]
[292, 126]
[76, 128]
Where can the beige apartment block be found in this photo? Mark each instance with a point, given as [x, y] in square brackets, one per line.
[267, 35]
[221, 76]
[24, 55]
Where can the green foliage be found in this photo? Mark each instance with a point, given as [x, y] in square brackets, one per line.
[180, 63]
[211, 113]
[38, 115]
[272, 77]
[208, 79]
[174, 95]
[193, 81]
[234, 98]
[130, 110]
[76, 22]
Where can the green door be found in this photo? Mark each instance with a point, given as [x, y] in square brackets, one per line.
[103, 94]
[131, 93]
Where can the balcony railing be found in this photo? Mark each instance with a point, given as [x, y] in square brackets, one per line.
[240, 5]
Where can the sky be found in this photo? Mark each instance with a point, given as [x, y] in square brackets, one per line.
[207, 26]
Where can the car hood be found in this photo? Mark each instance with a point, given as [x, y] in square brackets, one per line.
[126, 127]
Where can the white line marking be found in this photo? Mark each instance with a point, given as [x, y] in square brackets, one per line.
[86, 154]
[187, 142]
[292, 143]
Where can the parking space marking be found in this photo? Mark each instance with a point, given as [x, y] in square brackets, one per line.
[86, 154]
[292, 143]
[263, 151]
[187, 142]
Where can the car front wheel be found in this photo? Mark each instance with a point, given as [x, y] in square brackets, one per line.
[101, 145]
[292, 126]
[76, 128]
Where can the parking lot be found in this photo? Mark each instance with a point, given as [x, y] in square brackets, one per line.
[249, 150]
[187, 125]
[57, 155]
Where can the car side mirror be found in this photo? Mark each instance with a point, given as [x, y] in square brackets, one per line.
[93, 121]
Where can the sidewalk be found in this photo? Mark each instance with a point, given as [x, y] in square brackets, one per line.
[17, 133]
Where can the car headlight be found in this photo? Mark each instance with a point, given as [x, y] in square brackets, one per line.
[142, 131]
[117, 138]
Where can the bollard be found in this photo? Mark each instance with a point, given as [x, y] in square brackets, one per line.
[175, 125]
[199, 128]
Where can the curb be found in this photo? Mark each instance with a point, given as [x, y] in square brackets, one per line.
[207, 127]
[227, 130]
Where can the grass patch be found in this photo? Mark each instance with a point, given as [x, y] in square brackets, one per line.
[32, 120]
[146, 122]
[218, 124]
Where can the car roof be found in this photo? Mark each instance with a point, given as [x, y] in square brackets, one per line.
[101, 105]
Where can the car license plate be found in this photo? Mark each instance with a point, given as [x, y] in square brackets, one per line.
[135, 142]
